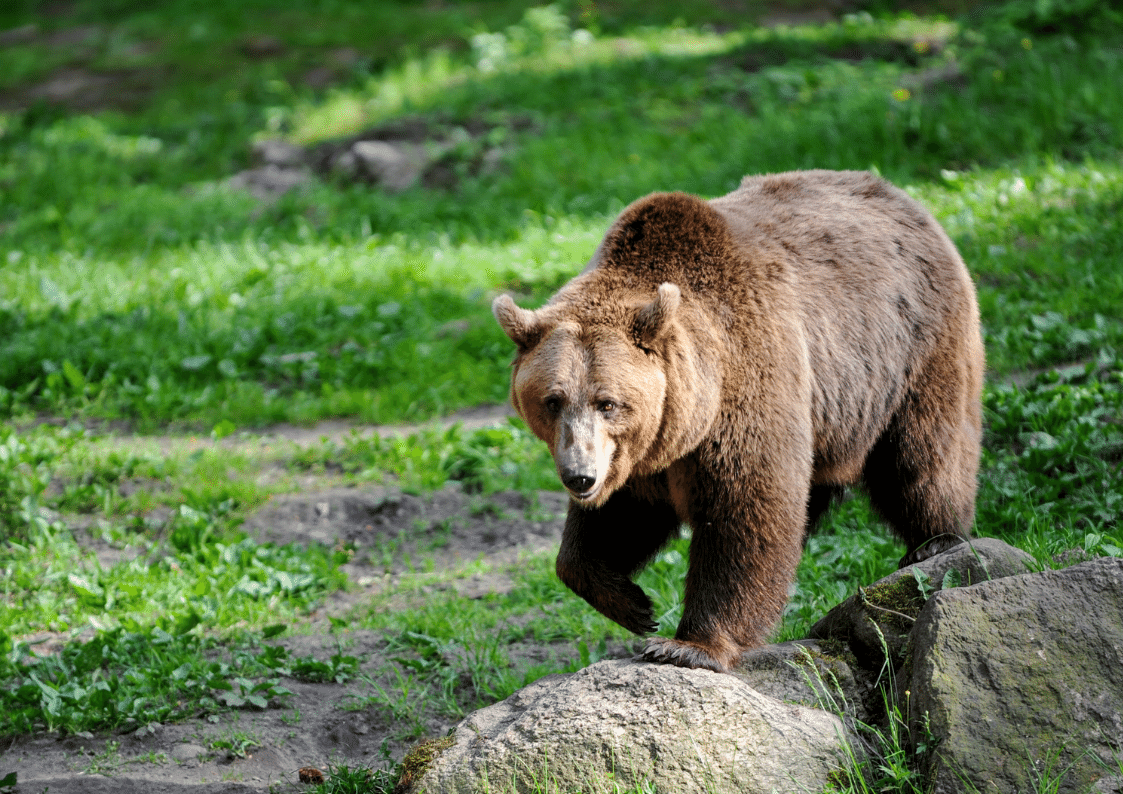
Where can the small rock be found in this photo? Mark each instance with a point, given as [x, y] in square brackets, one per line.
[395, 166]
[74, 37]
[69, 86]
[269, 182]
[21, 35]
[186, 752]
[262, 46]
[492, 160]
[279, 153]
[345, 164]
[820, 16]
[344, 57]
[319, 77]
[948, 74]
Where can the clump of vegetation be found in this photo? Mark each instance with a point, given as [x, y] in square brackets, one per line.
[121, 678]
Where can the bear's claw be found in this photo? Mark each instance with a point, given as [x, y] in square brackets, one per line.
[663, 650]
[641, 624]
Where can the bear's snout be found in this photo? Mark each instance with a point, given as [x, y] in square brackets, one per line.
[577, 466]
[578, 482]
[583, 454]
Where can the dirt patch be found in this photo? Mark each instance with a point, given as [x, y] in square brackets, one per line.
[77, 84]
[474, 418]
[119, 433]
[241, 751]
[393, 534]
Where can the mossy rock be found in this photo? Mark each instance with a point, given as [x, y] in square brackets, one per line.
[875, 623]
[1018, 678]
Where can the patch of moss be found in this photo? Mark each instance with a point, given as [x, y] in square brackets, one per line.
[834, 652]
[896, 602]
[836, 664]
[418, 760]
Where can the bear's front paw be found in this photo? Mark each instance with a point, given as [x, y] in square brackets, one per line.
[637, 620]
[663, 650]
[625, 603]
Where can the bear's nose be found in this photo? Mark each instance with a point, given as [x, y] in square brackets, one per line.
[578, 483]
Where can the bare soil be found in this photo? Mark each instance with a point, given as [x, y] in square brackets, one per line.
[449, 539]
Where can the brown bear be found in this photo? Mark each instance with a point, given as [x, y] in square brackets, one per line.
[731, 364]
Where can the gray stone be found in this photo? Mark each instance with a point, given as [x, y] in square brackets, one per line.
[186, 752]
[21, 35]
[616, 725]
[344, 164]
[269, 182]
[1021, 679]
[262, 45]
[889, 607]
[395, 166]
[947, 74]
[279, 153]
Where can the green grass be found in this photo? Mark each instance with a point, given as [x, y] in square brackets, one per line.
[488, 460]
[1058, 439]
[137, 288]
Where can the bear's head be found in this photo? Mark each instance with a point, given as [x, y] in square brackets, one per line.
[592, 384]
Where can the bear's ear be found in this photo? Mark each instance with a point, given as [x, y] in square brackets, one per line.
[522, 325]
[654, 320]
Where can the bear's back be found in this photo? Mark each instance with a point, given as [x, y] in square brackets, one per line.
[878, 287]
[836, 217]
[854, 250]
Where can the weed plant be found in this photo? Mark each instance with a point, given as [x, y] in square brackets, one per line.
[885, 756]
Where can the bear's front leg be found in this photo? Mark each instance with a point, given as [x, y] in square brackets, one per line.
[746, 545]
[602, 548]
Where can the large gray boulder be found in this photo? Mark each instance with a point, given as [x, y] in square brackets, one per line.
[1021, 681]
[888, 608]
[625, 723]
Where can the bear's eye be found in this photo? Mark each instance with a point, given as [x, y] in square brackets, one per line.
[553, 404]
[606, 406]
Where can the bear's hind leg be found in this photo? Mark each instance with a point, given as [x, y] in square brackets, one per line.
[921, 474]
[602, 548]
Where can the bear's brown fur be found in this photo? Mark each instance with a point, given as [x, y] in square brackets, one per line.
[732, 364]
